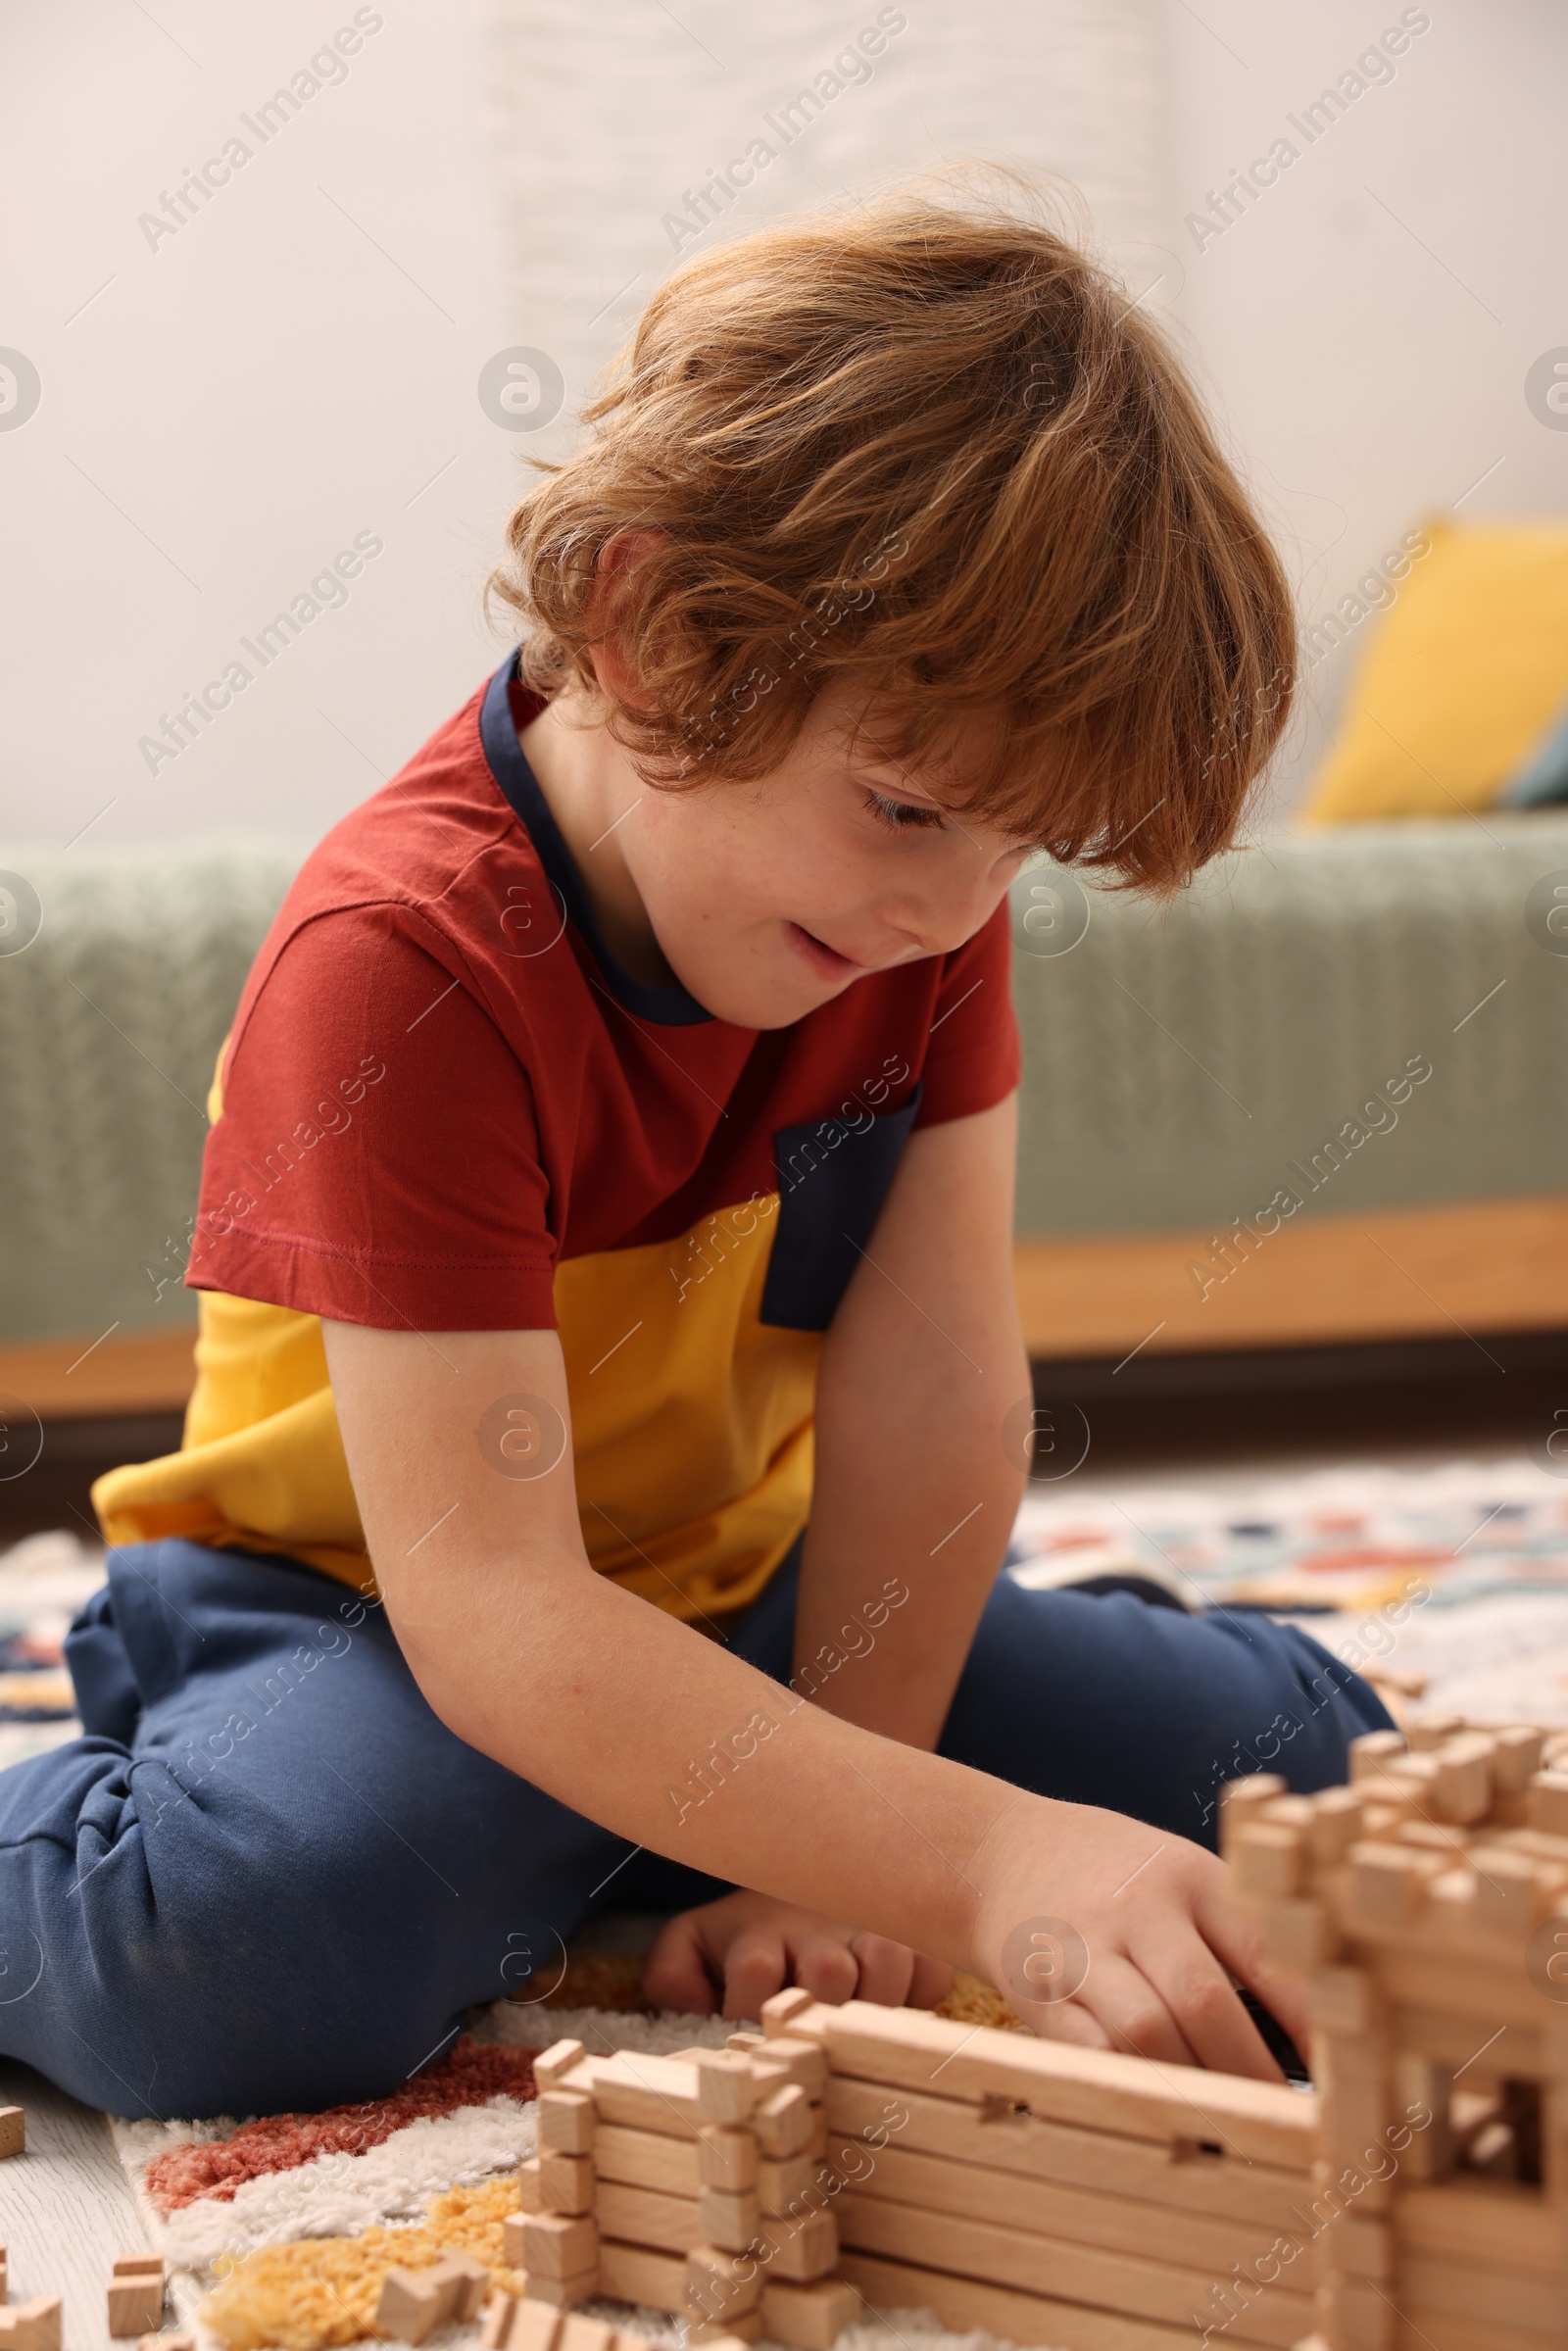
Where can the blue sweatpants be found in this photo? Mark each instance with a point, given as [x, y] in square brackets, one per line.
[266, 1877]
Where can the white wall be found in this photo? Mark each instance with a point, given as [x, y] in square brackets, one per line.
[1368, 325]
[222, 413]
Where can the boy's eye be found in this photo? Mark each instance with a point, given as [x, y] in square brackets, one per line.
[903, 815]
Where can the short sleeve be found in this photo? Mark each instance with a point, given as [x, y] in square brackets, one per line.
[376, 1158]
[973, 1057]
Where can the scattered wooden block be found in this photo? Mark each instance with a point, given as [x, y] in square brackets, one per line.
[728, 2219]
[464, 2283]
[565, 2123]
[513, 2324]
[413, 2303]
[726, 2158]
[552, 2065]
[512, 2227]
[136, 2299]
[13, 2130]
[808, 2318]
[1370, 1757]
[554, 2246]
[31, 2326]
[565, 2183]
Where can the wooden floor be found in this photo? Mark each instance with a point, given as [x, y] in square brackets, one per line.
[68, 2207]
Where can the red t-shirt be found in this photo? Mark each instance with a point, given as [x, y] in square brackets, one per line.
[446, 1106]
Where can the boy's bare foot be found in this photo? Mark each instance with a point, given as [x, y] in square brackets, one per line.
[726, 1958]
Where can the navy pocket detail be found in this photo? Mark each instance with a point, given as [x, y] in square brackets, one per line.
[832, 1181]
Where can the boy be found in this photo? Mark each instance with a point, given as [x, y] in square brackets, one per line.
[605, 1254]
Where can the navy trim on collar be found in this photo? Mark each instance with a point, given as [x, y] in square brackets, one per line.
[672, 1006]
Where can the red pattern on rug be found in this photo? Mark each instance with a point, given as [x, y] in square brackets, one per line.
[471, 2075]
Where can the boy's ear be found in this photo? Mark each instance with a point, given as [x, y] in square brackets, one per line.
[608, 650]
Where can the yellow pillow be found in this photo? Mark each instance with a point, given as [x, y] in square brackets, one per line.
[1458, 683]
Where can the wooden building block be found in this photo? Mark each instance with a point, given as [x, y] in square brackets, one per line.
[1179, 2173]
[1344, 2000]
[565, 2183]
[801, 2061]
[1353, 2314]
[169, 2338]
[1482, 2220]
[1055, 2266]
[1546, 1805]
[966, 2303]
[562, 2292]
[136, 2302]
[1508, 1892]
[1485, 2290]
[139, 2265]
[31, 2326]
[1266, 1859]
[728, 2219]
[513, 2225]
[1336, 1825]
[530, 2184]
[513, 2324]
[648, 2093]
[1517, 1756]
[1371, 1755]
[1299, 1933]
[1114, 2222]
[1101, 2088]
[638, 2274]
[781, 2185]
[1430, 1731]
[581, 2333]
[648, 2158]
[552, 2065]
[412, 2304]
[726, 2085]
[780, 2012]
[784, 2123]
[642, 2216]
[13, 2131]
[719, 2286]
[808, 2318]
[803, 2248]
[1385, 1886]
[1462, 1788]
[1241, 1799]
[726, 2158]
[729, 2334]
[554, 2246]
[464, 2282]
[565, 2123]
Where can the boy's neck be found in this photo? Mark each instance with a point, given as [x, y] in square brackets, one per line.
[590, 788]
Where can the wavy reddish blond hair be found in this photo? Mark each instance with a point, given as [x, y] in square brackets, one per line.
[930, 451]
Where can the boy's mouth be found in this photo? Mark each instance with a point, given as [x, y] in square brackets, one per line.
[823, 960]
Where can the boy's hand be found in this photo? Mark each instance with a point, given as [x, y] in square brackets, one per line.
[731, 1955]
[1162, 1944]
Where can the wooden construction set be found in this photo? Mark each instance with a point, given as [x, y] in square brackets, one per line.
[1416, 2200]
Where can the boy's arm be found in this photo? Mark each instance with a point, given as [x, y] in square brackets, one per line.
[602, 1701]
[917, 1484]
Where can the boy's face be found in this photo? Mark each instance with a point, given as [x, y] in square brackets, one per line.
[768, 898]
